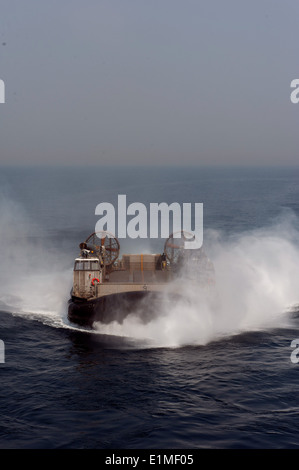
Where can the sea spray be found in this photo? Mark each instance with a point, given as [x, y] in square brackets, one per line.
[257, 276]
[35, 276]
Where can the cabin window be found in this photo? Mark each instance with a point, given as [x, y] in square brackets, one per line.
[78, 266]
[94, 265]
[86, 266]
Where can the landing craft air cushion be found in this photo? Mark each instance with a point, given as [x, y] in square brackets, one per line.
[107, 288]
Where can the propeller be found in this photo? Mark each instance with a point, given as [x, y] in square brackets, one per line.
[175, 243]
[109, 242]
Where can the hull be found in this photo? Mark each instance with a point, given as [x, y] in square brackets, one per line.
[114, 308]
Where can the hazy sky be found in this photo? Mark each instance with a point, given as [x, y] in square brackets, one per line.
[149, 82]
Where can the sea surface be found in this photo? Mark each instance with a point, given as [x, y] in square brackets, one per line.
[220, 374]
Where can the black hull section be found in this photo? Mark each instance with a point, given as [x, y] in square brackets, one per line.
[115, 307]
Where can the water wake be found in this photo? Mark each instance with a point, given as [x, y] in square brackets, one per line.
[257, 275]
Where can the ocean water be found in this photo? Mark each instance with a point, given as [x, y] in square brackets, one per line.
[202, 374]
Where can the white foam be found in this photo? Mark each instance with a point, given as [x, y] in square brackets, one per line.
[257, 276]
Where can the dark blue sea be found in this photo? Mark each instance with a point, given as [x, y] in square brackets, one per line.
[198, 376]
